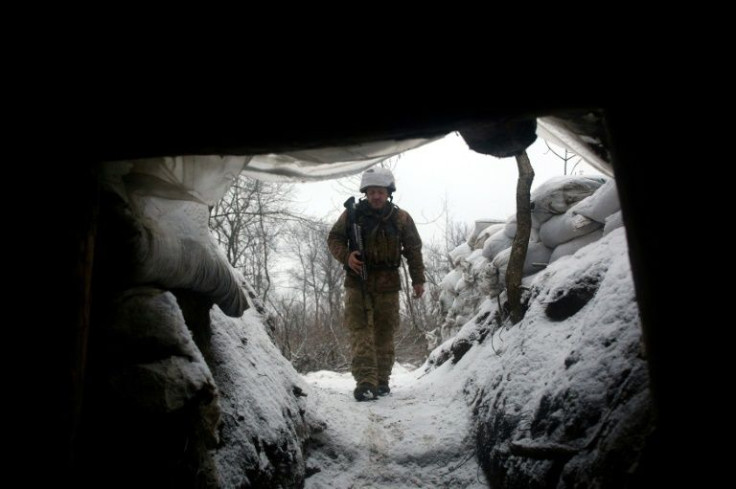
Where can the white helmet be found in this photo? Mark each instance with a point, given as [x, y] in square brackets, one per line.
[378, 177]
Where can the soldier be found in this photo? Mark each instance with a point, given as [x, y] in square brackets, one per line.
[372, 305]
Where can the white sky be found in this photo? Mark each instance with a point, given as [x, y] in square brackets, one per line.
[475, 186]
[422, 434]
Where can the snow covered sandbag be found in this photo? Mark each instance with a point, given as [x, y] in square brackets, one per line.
[477, 265]
[564, 227]
[510, 227]
[460, 286]
[450, 280]
[471, 262]
[487, 233]
[601, 204]
[501, 274]
[466, 302]
[475, 240]
[615, 220]
[496, 244]
[458, 306]
[460, 252]
[175, 250]
[490, 280]
[464, 291]
[570, 247]
[536, 255]
[449, 328]
[446, 299]
[558, 194]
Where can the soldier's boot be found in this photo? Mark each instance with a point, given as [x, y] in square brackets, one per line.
[365, 392]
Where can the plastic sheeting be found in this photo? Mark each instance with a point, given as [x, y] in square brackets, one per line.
[203, 179]
[175, 250]
[550, 129]
[207, 178]
[327, 163]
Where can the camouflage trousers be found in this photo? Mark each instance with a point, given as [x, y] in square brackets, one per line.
[372, 324]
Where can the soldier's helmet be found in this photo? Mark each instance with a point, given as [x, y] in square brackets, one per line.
[378, 177]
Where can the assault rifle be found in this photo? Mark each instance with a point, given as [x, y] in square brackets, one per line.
[355, 236]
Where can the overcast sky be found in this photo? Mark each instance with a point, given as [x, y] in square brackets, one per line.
[473, 185]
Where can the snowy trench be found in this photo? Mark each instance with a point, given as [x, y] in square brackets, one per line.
[417, 436]
[501, 396]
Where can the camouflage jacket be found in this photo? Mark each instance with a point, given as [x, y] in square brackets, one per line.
[387, 235]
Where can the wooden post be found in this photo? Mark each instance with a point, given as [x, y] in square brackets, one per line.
[515, 269]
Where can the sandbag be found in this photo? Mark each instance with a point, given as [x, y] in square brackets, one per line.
[564, 227]
[446, 299]
[601, 204]
[570, 247]
[470, 264]
[615, 220]
[459, 252]
[495, 244]
[450, 279]
[537, 255]
[510, 227]
[487, 233]
[558, 194]
[479, 234]
[175, 250]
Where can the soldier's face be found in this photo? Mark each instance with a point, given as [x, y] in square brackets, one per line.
[377, 196]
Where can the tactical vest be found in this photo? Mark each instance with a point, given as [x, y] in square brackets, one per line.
[381, 235]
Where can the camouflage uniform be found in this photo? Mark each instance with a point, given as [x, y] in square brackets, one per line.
[372, 308]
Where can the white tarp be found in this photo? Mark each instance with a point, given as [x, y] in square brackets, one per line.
[206, 178]
[203, 179]
[550, 129]
[326, 163]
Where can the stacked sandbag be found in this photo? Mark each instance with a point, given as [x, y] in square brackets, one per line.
[467, 296]
[613, 221]
[565, 227]
[584, 222]
[482, 230]
[601, 204]
[494, 274]
[568, 212]
[458, 253]
[486, 234]
[558, 194]
[570, 247]
[510, 227]
[496, 243]
[447, 290]
[452, 284]
[449, 286]
[554, 223]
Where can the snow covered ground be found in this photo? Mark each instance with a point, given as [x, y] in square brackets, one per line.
[576, 381]
[417, 436]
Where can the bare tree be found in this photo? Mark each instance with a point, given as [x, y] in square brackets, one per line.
[317, 297]
[566, 158]
[247, 221]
